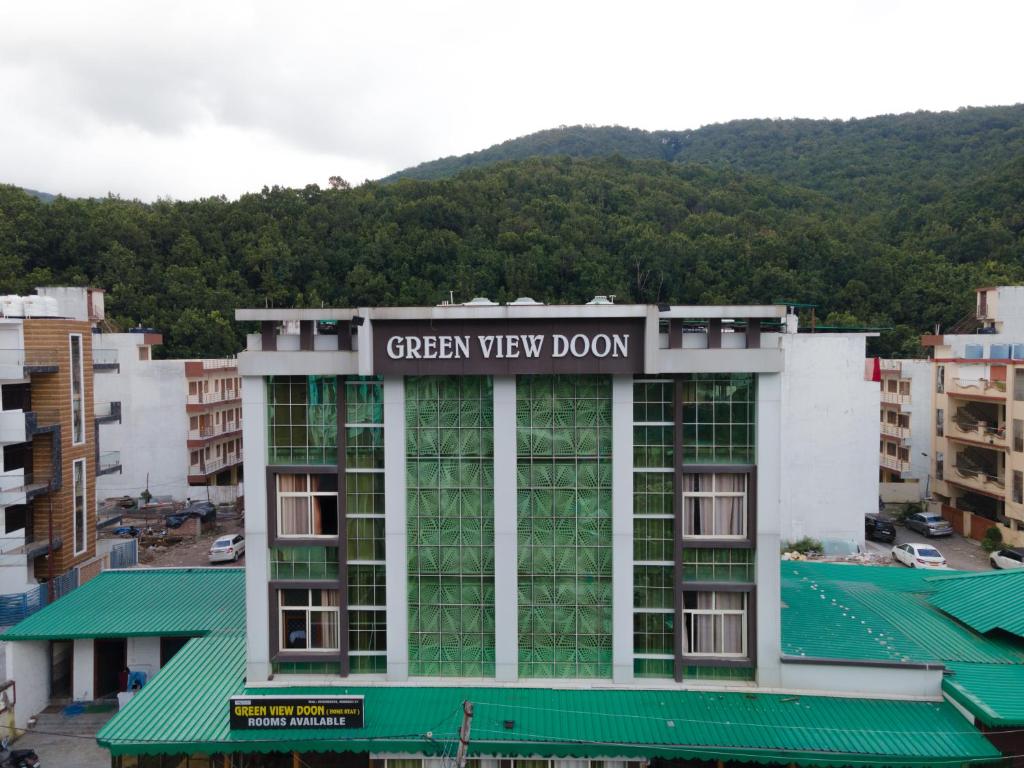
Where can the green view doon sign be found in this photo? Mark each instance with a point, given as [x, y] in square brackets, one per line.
[259, 713]
[496, 347]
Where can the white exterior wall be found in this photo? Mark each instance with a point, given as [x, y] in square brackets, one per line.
[14, 572]
[83, 660]
[257, 566]
[922, 419]
[888, 681]
[143, 655]
[28, 664]
[153, 433]
[1009, 309]
[829, 438]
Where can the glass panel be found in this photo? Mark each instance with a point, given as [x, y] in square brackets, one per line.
[718, 418]
[302, 419]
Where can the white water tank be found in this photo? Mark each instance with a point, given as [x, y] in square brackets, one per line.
[11, 306]
[35, 306]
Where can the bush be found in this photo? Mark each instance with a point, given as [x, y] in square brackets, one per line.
[805, 546]
[993, 539]
[908, 509]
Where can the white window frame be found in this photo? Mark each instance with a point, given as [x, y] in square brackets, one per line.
[80, 420]
[715, 494]
[720, 613]
[309, 610]
[309, 509]
[79, 491]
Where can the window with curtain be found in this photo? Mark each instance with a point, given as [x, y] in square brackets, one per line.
[307, 505]
[309, 619]
[715, 505]
[715, 623]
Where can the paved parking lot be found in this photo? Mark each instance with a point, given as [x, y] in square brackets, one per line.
[961, 553]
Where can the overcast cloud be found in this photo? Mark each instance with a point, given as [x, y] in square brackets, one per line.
[191, 99]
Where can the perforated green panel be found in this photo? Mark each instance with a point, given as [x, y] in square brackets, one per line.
[563, 439]
[718, 565]
[653, 526]
[450, 513]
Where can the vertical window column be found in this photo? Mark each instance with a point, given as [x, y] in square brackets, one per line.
[364, 515]
[653, 527]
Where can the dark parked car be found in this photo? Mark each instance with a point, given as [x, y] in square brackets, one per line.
[204, 510]
[879, 528]
[929, 525]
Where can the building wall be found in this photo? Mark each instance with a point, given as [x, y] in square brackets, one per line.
[29, 662]
[52, 392]
[83, 662]
[153, 431]
[922, 419]
[144, 655]
[829, 445]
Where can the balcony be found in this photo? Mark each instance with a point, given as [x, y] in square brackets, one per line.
[212, 466]
[966, 428]
[968, 388]
[890, 365]
[22, 363]
[214, 365]
[105, 360]
[212, 431]
[107, 413]
[894, 463]
[970, 477]
[895, 398]
[12, 427]
[894, 430]
[108, 463]
[19, 487]
[211, 398]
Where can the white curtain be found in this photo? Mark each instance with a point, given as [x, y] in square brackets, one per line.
[731, 640]
[293, 511]
[729, 509]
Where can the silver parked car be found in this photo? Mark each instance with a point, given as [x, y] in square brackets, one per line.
[227, 548]
[929, 525]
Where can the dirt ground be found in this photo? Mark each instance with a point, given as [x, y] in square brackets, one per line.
[175, 550]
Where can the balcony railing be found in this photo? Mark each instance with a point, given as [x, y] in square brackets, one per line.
[209, 466]
[104, 358]
[894, 463]
[979, 476]
[895, 398]
[985, 387]
[980, 430]
[109, 461]
[224, 428]
[33, 360]
[206, 398]
[15, 485]
[227, 362]
[894, 430]
[890, 365]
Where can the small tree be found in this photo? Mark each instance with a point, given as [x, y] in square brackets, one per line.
[993, 539]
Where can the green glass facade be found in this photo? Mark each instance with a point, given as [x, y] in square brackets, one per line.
[653, 527]
[719, 418]
[302, 419]
[364, 509]
[563, 445]
[449, 423]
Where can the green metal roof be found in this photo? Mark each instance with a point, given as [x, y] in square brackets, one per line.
[872, 613]
[984, 601]
[992, 693]
[185, 709]
[142, 602]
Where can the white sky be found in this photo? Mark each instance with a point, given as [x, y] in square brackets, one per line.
[149, 98]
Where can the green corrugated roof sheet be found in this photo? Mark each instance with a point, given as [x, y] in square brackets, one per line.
[868, 613]
[877, 614]
[992, 693]
[169, 716]
[142, 602]
[984, 601]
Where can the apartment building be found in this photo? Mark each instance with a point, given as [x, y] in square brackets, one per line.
[978, 450]
[51, 437]
[180, 432]
[905, 429]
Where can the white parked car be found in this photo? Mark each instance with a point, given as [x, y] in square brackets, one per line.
[1007, 558]
[227, 548]
[918, 556]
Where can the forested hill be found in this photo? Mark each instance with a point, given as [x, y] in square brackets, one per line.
[557, 229]
[852, 160]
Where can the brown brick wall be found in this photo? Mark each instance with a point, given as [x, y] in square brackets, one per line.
[52, 392]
